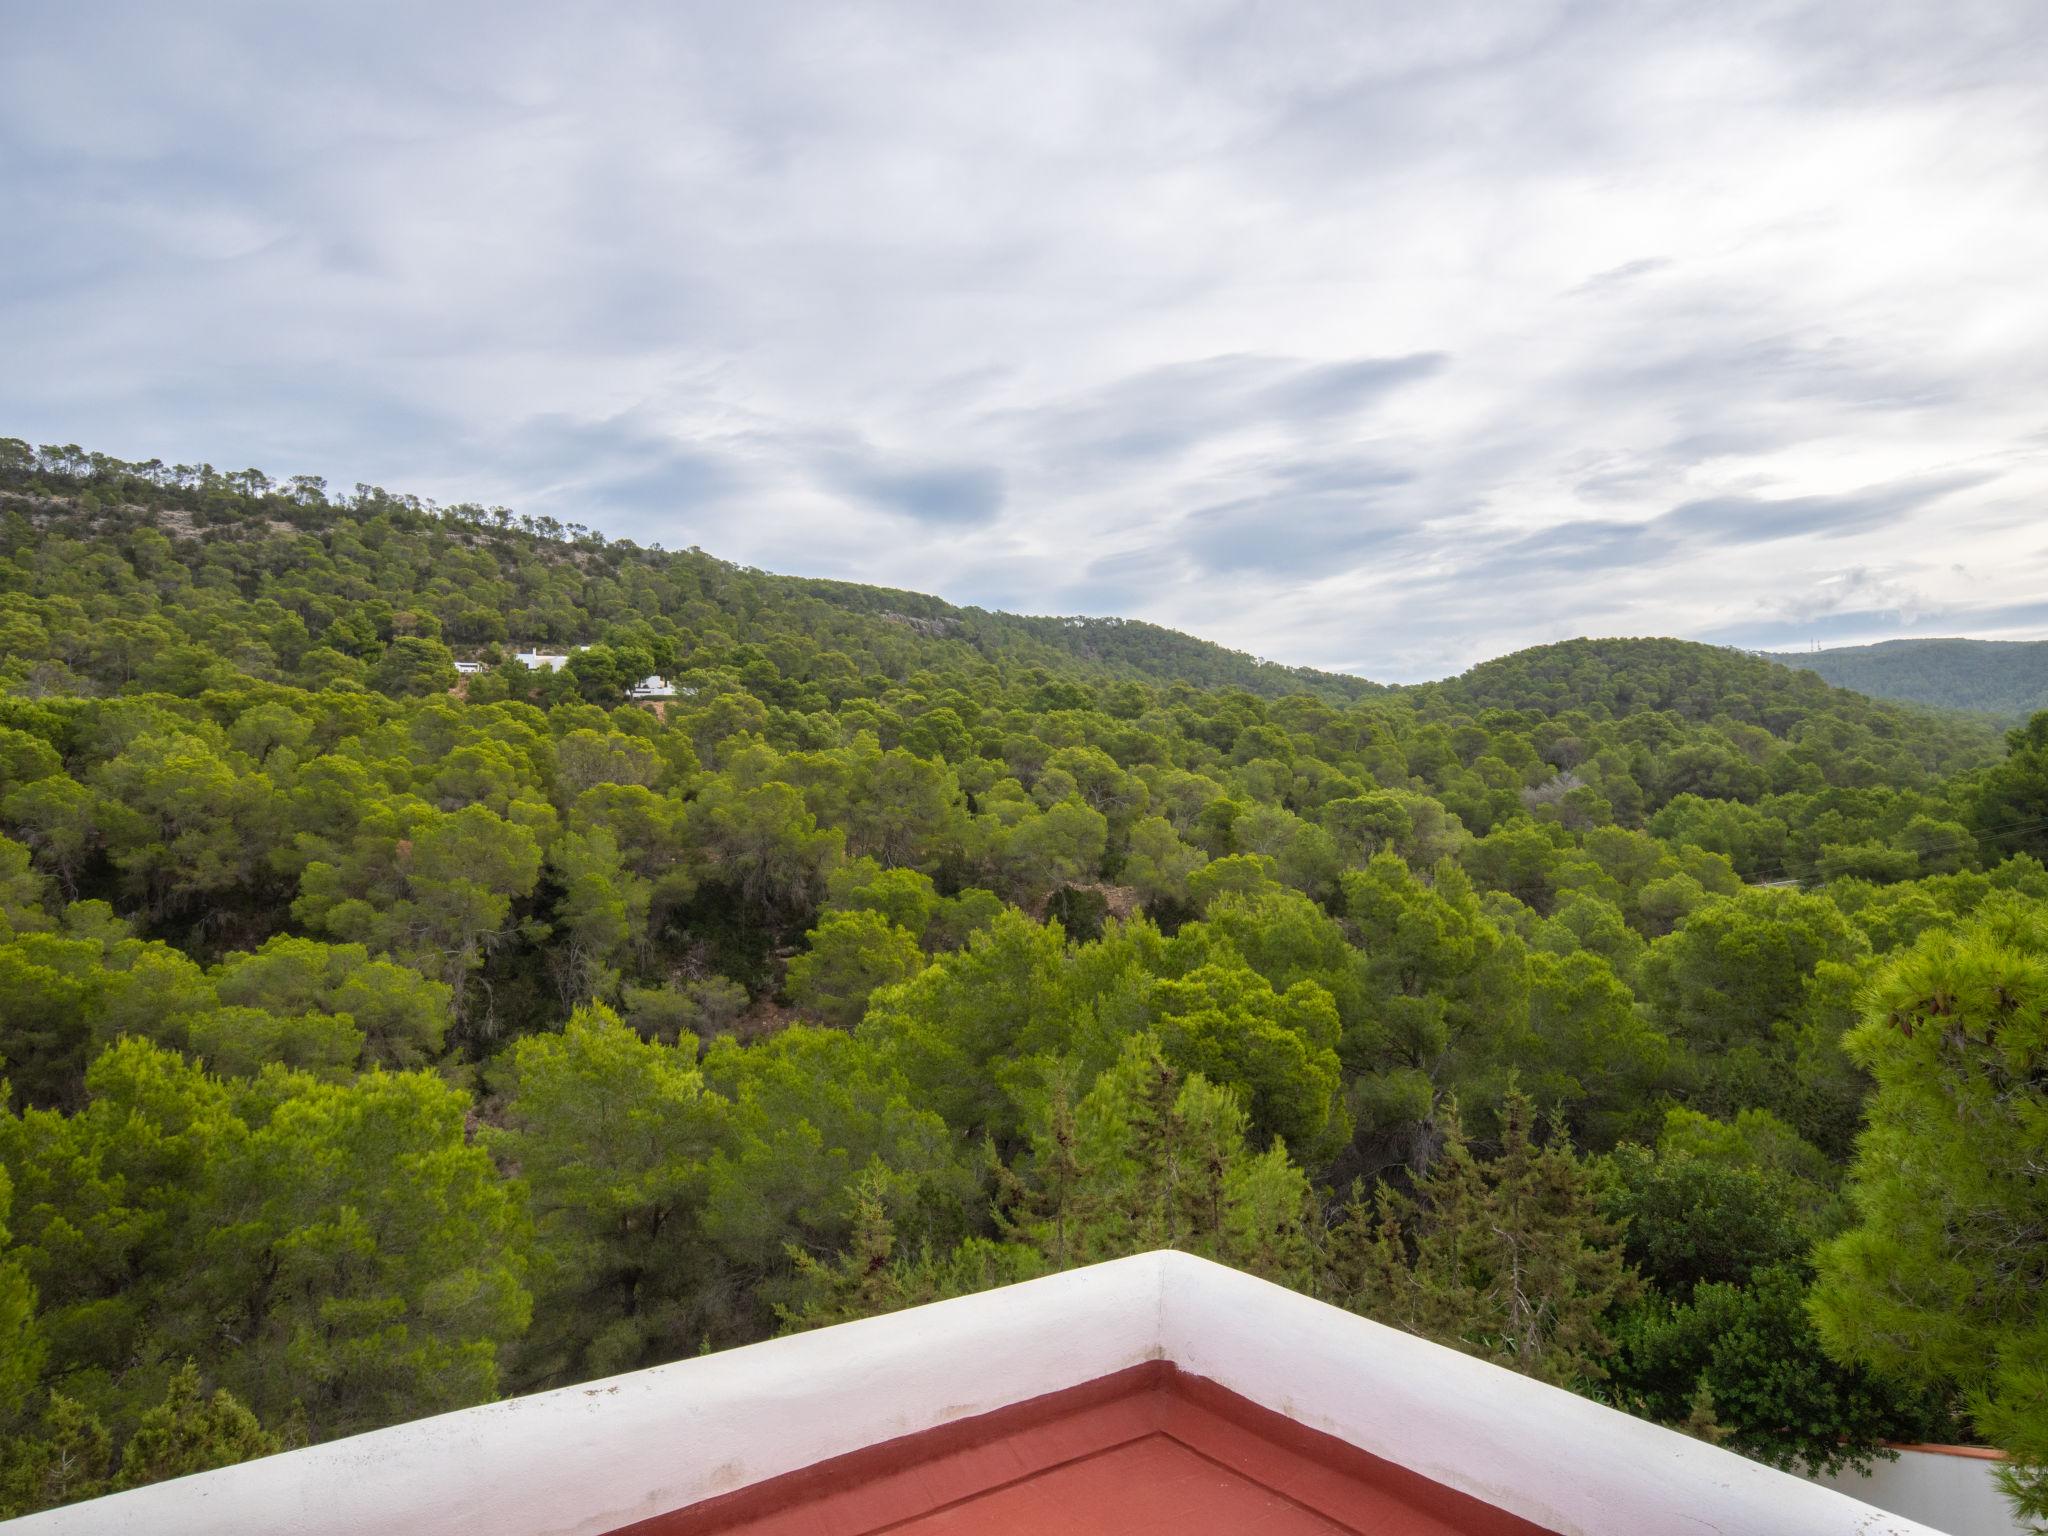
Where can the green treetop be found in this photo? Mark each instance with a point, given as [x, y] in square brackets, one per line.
[1945, 1274]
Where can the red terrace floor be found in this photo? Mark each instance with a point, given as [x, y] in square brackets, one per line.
[1149, 1450]
[1153, 1484]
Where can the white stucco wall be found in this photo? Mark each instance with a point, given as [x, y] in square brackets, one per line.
[1550, 1456]
[1957, 1494]
[589, 1459]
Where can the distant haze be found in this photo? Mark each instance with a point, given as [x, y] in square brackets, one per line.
[1368, 336]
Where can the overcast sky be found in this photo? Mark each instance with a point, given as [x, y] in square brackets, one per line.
[1378, 336]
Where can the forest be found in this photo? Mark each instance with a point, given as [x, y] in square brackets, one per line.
[2004, 678]
[1644, 1016]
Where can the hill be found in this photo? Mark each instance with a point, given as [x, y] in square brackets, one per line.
[1615, 678]
[454, 1034]
[480, 580]
[141, 578]
[2007, 678]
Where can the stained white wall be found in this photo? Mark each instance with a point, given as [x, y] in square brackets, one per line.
[589, 1459]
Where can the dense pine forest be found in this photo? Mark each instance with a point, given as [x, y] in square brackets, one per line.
[2005, 678]
[1654, 1019]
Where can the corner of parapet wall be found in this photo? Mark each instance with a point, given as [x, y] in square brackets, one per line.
[599, 1456]
[1543, 1453]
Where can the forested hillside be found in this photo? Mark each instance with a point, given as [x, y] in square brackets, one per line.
[2008, 678]
[477, 579]
[381, 1042]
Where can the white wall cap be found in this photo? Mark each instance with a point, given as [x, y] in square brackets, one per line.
[588, 1459]
[1553, 1457]
[591, 1458]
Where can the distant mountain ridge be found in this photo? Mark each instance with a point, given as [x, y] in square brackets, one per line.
[2008, 678]
[286, 585]
[491, 578]
[1109, 646]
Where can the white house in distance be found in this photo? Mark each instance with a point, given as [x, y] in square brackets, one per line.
[656, 687]
[538, 660]
[1156, 1394]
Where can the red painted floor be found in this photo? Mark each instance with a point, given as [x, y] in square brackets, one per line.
[1149, 1451]
[1147, 1486]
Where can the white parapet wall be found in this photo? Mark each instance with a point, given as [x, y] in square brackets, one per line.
[1554, 1458]
[586, 1460]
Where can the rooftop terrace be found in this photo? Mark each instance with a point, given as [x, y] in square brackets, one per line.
[1159, 1393]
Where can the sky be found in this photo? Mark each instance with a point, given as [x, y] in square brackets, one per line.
[1373, 336]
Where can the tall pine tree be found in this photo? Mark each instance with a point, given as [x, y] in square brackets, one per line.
[1508, 1258]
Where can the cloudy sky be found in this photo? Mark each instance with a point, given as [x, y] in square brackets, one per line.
[1375, 336]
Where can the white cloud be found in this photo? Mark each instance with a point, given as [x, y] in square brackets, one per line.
[1366, 336]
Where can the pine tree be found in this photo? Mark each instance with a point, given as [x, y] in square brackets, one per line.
[1154, 1199]
[1365, 1259]
[1157, 1149]
[68, 1460]
[869, 1277]
[1269, 1219]
[190, 1432]
[1049, 1205]
[861, 1281]
[1945, 1279]
[21, 1344]
[1700, 1422]
[1508, 1258]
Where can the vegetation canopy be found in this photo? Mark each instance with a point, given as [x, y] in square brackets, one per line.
[382, 1038]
